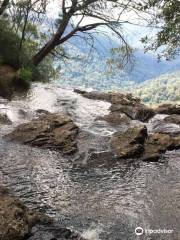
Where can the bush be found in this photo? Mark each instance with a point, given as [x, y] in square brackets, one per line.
[25, 73]
[9, 42]
[20, 61]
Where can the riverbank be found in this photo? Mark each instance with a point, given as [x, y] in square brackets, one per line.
[11, 83]
[17, 220]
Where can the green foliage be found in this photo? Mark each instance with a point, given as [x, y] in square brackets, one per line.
[25, 73]
[10, 54]
[9, 42]
[9, 47]
[162, 89]
[167, 19]
[120, 57]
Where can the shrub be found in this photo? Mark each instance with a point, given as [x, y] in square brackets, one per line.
[25, 73]
[20, 61]
[9, 43]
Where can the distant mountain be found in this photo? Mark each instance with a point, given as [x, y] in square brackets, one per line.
[165, 88]
[92, 71]
[147, 67]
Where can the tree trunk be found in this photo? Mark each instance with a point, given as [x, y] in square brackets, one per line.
[44, 51]
[24, 27]
[3, 6]
[55, 40]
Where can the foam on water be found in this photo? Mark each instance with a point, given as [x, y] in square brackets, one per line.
[93, 233]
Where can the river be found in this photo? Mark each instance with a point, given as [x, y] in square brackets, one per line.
[101, 201]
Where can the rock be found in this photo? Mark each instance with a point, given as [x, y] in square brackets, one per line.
[116, 119]
[65, 233]
[122, 103]
[97, 96]
[168, 109]
[4, 119]
[79, 91]
[161, 126]
[42, 111]
[174, 118]
[135, 112]
[112, 97]
[131, 106]
[3, 100]
[157, 144]
[124, 99]
[51, 131]
[55, 232]
[16, 219]
[135, 143]
[129, 144]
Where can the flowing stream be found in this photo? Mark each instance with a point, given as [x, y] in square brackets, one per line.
[102, 201]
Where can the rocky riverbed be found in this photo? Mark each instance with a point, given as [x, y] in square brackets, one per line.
[91, 161]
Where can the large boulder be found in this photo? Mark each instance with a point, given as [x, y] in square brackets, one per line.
[159, 143]
[53, 131]
[129, 144]
[122, 103]
[136, 111]
[16, 219]
[135, 143]
[168, 109]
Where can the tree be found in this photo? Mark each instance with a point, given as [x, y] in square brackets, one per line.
[25, 14]
[167, 21]
[100, 13]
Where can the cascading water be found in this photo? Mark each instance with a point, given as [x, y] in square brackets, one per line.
[104, 202]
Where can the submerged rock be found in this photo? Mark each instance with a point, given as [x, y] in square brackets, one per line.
[116, 119]
[19, 223]
[129, 144]
[168, 109]
[159, 143]
[54, 232]
[4, 119]
[174, 118]
[53, 131]
[16, 219]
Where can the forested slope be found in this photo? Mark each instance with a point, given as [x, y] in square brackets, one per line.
[165, 88]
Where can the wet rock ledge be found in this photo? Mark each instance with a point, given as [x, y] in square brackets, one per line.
[16, 219]
[17, 222]
[53, 131]
[121, 104]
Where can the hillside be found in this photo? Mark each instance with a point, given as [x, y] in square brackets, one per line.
[165, 88]
[93, 72]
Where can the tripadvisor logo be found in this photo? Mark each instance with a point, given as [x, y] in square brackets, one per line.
[139, 231]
